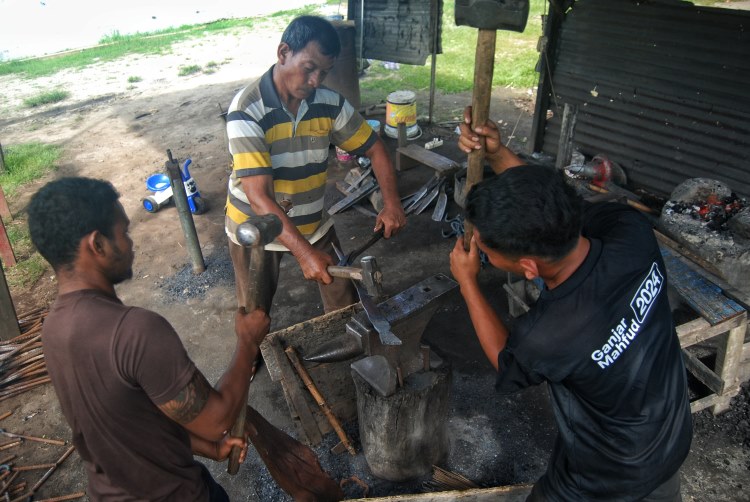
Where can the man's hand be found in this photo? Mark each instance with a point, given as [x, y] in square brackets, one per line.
[218, 450]
[470, 138]
[465, 264]
[314, 265]
[391, 220]
[253, 327]
[496, 154]
[225, 445]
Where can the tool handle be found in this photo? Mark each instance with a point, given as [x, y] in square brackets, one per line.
[352, 273]
[302, 372]
[238, 431]
[484, 62]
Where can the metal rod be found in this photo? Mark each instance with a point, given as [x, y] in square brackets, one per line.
[186, 217]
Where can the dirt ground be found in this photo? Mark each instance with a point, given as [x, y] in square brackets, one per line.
[120, 131]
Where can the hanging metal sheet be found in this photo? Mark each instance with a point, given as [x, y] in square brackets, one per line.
[662, 88]
[396, 30]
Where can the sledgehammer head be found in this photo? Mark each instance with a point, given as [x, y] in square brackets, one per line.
[492, 14]
[258, 230]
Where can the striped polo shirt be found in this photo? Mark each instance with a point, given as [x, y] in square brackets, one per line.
[267, 139]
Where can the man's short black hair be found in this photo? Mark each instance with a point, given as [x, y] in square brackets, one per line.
[526, 211]
[62, 212]
[305, 29]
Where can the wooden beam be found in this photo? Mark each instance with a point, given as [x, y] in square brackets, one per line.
[6, 250]
[8, 320]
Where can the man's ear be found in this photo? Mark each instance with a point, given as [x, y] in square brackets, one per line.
[529, 267]
[94, 243]
[283, 52]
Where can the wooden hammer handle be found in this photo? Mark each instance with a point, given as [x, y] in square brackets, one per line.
[484, 62]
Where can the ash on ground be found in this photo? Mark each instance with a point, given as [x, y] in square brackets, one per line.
[185, 284]
[733, 423]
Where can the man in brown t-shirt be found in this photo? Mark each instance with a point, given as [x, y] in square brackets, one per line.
[138, 407]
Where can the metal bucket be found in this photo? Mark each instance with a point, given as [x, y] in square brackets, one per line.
[401, 107]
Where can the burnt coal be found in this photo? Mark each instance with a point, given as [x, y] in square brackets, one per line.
[715, 211]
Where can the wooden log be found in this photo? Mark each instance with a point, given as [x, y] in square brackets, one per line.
[405, 434]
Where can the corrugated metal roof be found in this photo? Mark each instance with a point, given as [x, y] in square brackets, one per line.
[661, 88]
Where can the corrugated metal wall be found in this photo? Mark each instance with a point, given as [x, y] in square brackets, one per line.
[397, 30]
[661, 88]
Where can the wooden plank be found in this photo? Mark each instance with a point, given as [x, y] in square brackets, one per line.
[702, 372]
[699, 329]
[703, 403]
[728, 358]
[442, 165]
[9, 327]
[702, 295]
[704, 268]
[512, 493]
[294, 393]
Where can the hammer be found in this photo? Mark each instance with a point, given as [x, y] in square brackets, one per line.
[254, 233]
[489, 16]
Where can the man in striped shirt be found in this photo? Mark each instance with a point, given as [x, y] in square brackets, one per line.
[280, 129]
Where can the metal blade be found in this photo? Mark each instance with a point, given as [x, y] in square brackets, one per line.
[442, 203]
[378, 320]
[355, 197]
[426, 201]
[359, 180]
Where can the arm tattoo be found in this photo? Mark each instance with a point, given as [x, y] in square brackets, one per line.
[189, 402]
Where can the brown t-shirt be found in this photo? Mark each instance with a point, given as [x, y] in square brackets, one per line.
[111, 365]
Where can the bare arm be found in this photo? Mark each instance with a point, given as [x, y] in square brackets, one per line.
[207, 412]
[392, 218]
[497, 155]
[491, 331]
[259, 191]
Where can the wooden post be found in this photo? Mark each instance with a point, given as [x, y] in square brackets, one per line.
[8, 320]
[4, 208]
[567, 132]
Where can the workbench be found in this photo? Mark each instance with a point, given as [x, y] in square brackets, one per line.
[721, 321]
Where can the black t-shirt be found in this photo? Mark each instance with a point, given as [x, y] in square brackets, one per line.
[605, 342]
[111, 365]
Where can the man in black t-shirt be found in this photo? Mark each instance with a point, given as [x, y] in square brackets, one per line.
[601, 334]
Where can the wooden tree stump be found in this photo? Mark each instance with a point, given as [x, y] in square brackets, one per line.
[405, 434]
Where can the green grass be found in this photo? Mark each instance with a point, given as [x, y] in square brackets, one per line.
[515, 59]
[115, 46]
[46, 98]
[29, 263]
[25, 163]
[133, 79]
[189, 70]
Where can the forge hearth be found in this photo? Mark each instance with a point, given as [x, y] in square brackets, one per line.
[705, 216]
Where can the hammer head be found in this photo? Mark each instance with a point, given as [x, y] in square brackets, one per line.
[493, 14]
[258, 230]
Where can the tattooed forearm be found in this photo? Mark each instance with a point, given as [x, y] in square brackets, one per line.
[190, 401]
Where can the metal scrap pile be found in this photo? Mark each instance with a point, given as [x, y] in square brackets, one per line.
[715, 211]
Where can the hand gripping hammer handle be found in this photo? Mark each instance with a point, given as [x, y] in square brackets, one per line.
[254, 233]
